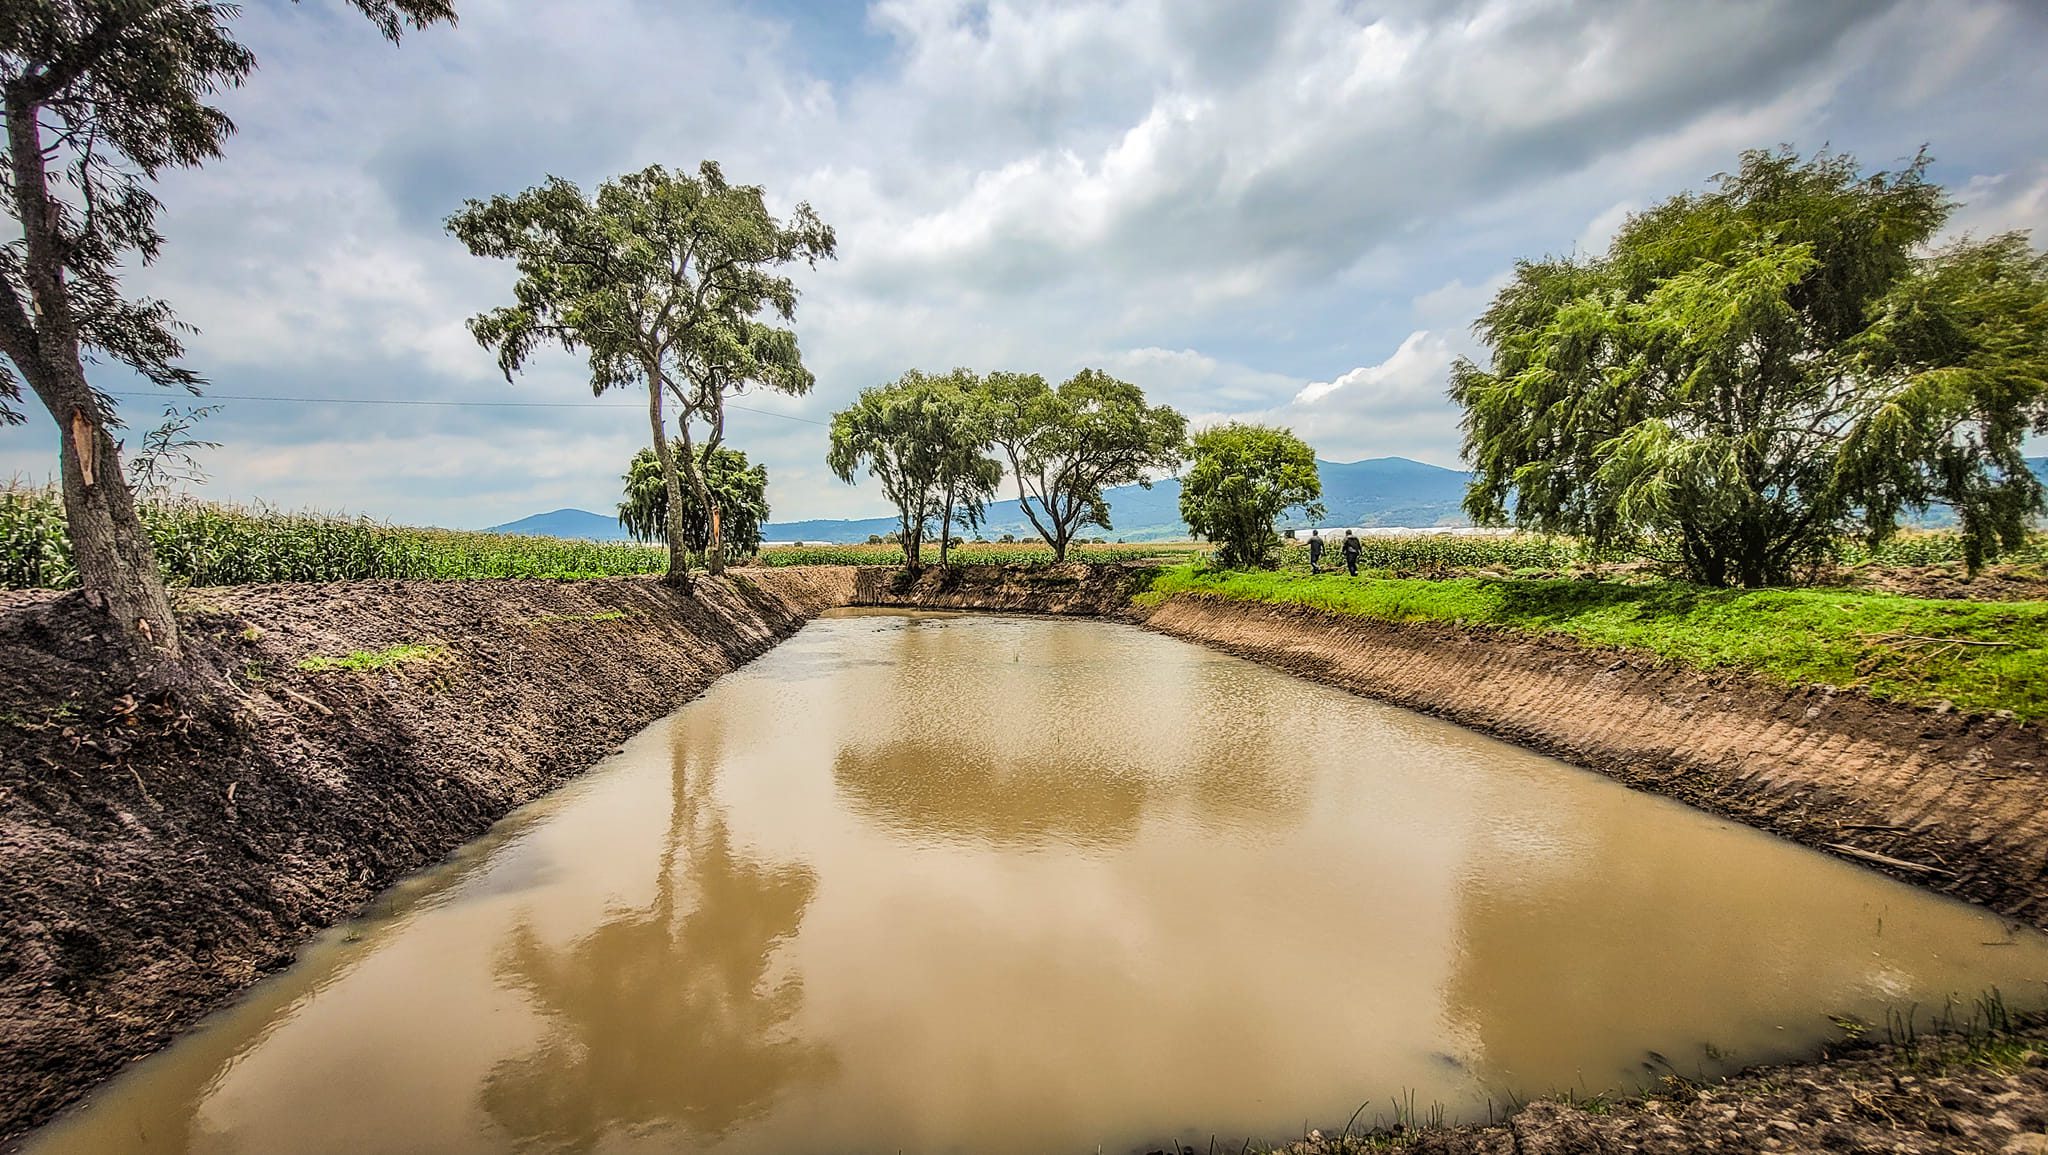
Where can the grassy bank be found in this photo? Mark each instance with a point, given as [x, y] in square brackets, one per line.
[1981, 656]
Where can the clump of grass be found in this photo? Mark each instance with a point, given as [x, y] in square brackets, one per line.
[1979, 656]
[596, 616]
[374, 659]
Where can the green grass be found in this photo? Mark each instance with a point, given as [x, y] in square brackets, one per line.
[374, 659]
[597, 616]
[1982, 656]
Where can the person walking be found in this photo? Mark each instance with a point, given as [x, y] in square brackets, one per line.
[1315, 551]
[1352, 546]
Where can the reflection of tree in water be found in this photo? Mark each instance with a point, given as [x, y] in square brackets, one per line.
[665, 1016]
[959, 794]
[1072, 746]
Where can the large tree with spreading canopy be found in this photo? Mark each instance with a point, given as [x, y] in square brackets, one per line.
[659, 280]
[101, 97]
[925, 437]
[1066, 445]
[1752, 371]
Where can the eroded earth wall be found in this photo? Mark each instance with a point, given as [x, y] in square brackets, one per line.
[1958, 804]
[150, 874]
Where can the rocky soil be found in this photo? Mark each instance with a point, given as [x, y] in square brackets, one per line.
[153, 872]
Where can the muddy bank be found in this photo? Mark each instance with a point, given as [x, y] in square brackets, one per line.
[1956, 802]
[152, 873]
[1073, 588]
[1938, 1095]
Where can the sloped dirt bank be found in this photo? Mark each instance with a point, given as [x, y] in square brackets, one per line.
[151, 874]
[1940, 1095]
[1074, 588]
[1957, 804]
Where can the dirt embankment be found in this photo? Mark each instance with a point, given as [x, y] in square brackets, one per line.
[151, 874]
[1956, 802]
[1074, 588]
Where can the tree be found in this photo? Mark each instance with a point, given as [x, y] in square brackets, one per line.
[1241, 478]
[657, 280]
[1066, 445]
[1752, 371]
[101, 96]
[924, 437]
[1957, 360]
[726, 359]
[738, 490]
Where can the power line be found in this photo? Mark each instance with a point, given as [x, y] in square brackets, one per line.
[455, 404]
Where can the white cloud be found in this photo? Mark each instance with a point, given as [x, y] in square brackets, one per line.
[1224, 202]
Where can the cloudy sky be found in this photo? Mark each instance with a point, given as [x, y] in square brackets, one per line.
[1287, 211]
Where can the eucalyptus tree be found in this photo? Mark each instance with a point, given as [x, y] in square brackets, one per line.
[1752, 371]
[1066, 445]
[726, 359]
[925, 438]
[1240, 479]
[101, 97]
[739, 492]
[658, 273]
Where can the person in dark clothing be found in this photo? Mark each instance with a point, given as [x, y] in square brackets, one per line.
[1351, 548]
[1315, 551]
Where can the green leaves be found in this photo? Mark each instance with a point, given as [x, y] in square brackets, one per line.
[925, 438]
[740, 490]
[1066, 445]
[659, 280]
[1242, 478]
[1748, 370]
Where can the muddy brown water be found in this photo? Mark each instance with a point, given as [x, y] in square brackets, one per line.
[930, 882]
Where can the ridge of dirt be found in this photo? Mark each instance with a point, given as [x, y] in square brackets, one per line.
[1955, 801]
[1075, 588]
[152, 874]
[1938, 1095]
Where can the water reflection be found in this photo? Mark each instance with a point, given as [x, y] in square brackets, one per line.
[1670, 911]
[671, 1017]
[922, 883]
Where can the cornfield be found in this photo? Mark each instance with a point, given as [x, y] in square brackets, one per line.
[1432, 551]
[203, 544]
[1935, 548]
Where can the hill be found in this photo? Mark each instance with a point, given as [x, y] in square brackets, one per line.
[577, 523]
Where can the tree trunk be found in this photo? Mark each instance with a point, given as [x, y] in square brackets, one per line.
[678, 554]
[110, 549]
[714, 547]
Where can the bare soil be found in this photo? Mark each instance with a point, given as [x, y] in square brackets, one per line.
[1938, 1095]
[1952, 802]
[154, 871]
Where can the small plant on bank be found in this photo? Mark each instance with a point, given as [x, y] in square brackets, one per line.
[405, 652]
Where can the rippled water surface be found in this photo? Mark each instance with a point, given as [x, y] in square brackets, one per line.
[920, 882]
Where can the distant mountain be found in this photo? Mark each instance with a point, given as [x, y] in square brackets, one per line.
[579, 523]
